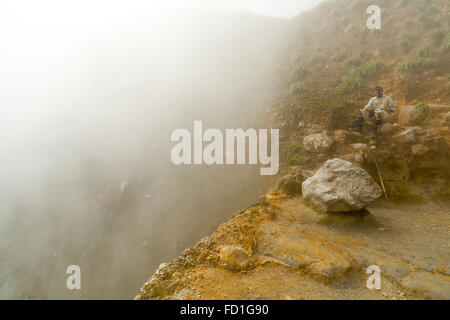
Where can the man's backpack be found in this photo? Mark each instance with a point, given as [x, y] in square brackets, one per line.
[354, 125]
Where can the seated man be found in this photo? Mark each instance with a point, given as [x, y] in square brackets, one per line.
[380, 109]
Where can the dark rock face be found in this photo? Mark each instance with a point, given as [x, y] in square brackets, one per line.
[291, 183]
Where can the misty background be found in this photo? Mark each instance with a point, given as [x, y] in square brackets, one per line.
[89, 95]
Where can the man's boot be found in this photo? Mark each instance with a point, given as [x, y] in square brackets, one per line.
[377, 125]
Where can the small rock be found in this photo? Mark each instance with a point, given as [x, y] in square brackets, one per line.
[419, 150]
[387, 127]
[160, 269]
[362, 152]
[318, 142]
[273, 196]
[408, 136]
[184, 294]
[314, 128]
[352, 157]
[360, 147]
[340, 136]
[234, 257]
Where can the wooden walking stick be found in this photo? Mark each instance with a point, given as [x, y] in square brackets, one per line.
[381, 179]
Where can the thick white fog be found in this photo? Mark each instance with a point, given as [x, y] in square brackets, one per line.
[89, 94]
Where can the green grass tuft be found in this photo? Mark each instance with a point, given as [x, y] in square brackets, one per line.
[405, 67]
[445, 47]
[436, 35]
[298, 73]
[298, 87]
[424, 108]
[352, 82]
[296, 156]
[423, 52]
[370, 68]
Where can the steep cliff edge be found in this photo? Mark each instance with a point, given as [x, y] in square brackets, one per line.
[297, 253]
[280, 248]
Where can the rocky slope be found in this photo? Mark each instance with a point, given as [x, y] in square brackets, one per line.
[281, 248]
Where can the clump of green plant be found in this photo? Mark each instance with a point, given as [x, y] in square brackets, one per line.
[448, 76]
[365, 71]
[405, 66]
[355, 59]
[424, 108]
[356, 77]
[352, 81]
[298, 73]
[295, 158]
[339, 56]
[370, 68]
[436, 35]
[423, 51]
[416, 64]
[445, 47]
[297, 87]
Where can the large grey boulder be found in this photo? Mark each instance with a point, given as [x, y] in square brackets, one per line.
[318, 142]
[340, 186]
